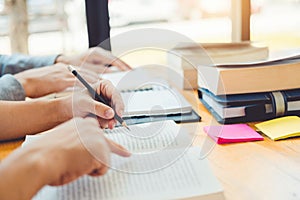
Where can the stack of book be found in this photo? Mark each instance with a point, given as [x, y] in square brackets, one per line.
[186, 57]
[251, 91]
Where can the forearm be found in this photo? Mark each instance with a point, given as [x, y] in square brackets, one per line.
[17, 63]
[29, 117]
[23, 174]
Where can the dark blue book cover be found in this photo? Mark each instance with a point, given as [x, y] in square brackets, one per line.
[282, 103]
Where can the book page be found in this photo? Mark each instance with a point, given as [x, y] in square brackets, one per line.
[155, 101]
[144, 138]
[268, 62]
[151, 137]
[134, 79]
[146, 94]
[187, 177]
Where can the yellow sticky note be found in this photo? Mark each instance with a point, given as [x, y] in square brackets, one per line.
[280, 128]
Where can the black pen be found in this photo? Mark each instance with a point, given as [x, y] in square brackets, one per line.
[95, 95]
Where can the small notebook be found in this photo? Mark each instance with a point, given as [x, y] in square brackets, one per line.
[178, 118]
[280, 128]
[147, 96]
[232, 133]
[163, 166]
[154, 101]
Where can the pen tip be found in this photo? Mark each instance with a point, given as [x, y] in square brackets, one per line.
[125, 125]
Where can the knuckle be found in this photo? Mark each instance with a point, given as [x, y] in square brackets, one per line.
[106, 82]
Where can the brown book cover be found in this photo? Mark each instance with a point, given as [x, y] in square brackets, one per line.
[187, 57]
[252, 77]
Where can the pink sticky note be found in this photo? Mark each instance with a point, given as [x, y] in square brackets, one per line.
[232, 133]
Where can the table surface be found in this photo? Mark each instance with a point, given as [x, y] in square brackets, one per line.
[253, 170]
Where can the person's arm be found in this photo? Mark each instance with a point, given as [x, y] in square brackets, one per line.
[17, 63]
[29, 117]
[59, 156]
[22, 175]
[39, 82]
[11, 89]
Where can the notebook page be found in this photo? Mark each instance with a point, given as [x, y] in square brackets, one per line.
[156, 101]
[134, 79]
[187, 177]
[150, 137]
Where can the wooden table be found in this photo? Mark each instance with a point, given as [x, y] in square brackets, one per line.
[254, 170]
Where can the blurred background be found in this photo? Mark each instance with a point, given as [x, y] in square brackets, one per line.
[59, 26]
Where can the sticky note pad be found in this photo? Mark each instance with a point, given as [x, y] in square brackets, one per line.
[232, 133]
[280, 128]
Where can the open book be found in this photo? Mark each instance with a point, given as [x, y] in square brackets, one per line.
[162, 166]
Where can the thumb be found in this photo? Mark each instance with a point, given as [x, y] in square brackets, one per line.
[103, 111]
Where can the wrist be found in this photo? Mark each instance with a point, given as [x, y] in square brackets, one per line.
[25, 84]
[50, 164]
[38, 160]
[64, 107]
[20, 167]
[46, 161]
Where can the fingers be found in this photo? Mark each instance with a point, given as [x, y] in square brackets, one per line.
[84, 104]
[117, 148]
[89, 105]
[114, 147]
[107, 89]
[121, 65]
[88, 75]
[97, 68]
[99, 171]
[103, 111]
[111, 124]
[105, 57]
[118, 104]
[98, 148]
[104, 123]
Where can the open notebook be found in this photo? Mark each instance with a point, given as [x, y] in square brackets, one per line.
[163, 166]
[145, 95]
[154, 101]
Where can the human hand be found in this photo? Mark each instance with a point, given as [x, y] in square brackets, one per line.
[39, 82]
[73, 149]
[81, 104]
[57, 157]
[95, 59]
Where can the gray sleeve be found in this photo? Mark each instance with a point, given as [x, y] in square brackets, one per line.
[17, 63]
[11, 89]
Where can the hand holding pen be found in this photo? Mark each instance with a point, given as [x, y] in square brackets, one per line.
[107, 95]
